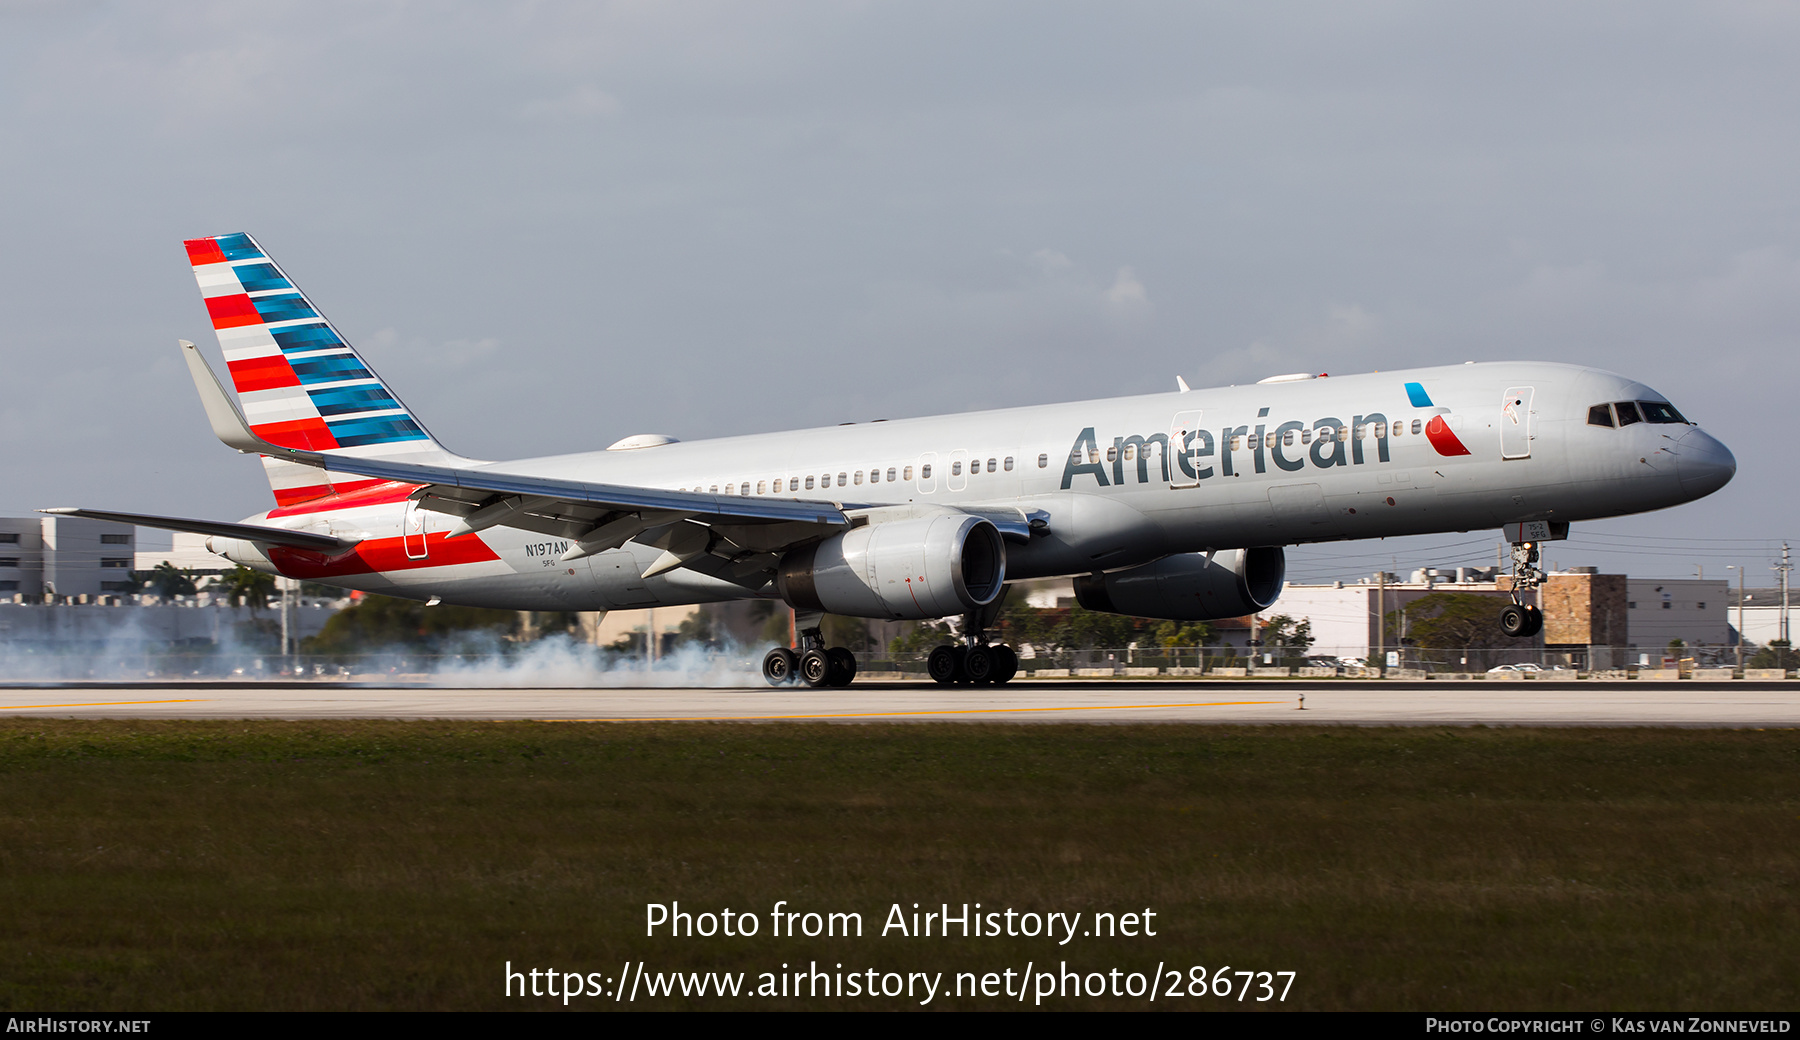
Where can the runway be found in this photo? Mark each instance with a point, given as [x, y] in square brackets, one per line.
[1360, 703]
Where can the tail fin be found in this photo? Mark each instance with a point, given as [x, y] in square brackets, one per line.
[300, 382]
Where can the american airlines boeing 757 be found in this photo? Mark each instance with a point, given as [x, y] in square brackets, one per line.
[1171, 505]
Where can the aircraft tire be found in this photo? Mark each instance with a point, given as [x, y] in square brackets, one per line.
[944, 665]
[815, 668]
[843, 666]
[1514, 621]
[1534, 621]
[978, 665]
[779, 665]
[1006, 664]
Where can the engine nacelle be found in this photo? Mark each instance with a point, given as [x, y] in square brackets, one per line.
[931, 567]
[1190, 587]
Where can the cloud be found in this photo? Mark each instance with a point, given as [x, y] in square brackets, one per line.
[1127, 291]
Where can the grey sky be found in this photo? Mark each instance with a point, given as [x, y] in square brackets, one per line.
[552, 225]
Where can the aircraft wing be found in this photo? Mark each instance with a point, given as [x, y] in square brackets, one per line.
[248, 532]
[595, 516]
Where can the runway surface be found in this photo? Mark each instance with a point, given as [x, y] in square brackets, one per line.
[1720, 704]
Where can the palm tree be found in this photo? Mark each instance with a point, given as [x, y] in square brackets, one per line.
[243, 585]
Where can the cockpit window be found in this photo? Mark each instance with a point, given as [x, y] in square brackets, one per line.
[1628, 413]
[1600, 415]
[1660, 412]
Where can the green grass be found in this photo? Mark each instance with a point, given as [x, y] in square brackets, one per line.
[180, 865]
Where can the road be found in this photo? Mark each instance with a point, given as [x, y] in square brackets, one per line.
[1362, 702]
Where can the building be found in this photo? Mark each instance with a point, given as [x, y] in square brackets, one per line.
[1692, 610]
[66, 558]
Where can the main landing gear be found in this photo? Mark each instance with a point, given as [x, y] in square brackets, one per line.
[975, 661]
[815, 664]
[1518, 619]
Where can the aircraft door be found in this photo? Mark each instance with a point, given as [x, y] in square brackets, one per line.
[1515, 423]
[958, 477]
[412, 531]
[1182, 442]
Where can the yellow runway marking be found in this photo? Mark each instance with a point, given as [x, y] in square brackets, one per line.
[98, 704]
[943, 711]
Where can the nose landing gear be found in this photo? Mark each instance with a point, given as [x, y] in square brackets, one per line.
[1520, 620]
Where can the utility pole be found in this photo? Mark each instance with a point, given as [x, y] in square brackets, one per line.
[1739, 619]
[1380, 621]
[1783, 569]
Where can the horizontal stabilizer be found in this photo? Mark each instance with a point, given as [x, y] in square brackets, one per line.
[248, 532]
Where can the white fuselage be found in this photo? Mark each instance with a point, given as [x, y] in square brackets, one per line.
[1249, 467]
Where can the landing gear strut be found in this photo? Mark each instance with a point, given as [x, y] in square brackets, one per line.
[816, 664]
[1520, 620]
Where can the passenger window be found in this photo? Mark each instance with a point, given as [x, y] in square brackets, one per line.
[1600, 415]
[1236, 442]
[924, 471]
[1305, 436]
[1380, 430]
[760, 485]
[856, 478]
[1288, 438]
[1043, 462]
[891, 473]
[874, 476]
[715, 490]
[809, 483]
[908, 473]
[1417, 425]
[794, 483]
[1130, 452]
[1356, 433]
[1343, 433]
[843, 480]
[956, 469]
[1628, 413]
[1112, 454]
[991, 463]
[1007, 465]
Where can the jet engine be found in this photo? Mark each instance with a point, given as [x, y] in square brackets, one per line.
[929, 567]
[1190, 586]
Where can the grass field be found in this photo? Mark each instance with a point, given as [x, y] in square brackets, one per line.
[185, 865]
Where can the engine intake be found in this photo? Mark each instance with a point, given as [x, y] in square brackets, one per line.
[1190, 587]
[930, 567]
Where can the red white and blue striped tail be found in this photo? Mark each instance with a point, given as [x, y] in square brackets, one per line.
[299, 381]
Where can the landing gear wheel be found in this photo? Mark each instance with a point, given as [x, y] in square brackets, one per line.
[778, 666]
[945, 665]
[978, 665]
[1534, 621]
[815, 668]
[843, 666]
[1514, 621]
[1006, 664]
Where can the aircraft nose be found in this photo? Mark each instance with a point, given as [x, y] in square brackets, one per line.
[1703, 465]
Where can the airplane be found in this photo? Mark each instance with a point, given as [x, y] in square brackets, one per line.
[1169, 505]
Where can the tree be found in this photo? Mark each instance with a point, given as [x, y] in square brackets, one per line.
[1453, 621]
[168, 581]
[383, 622]
[1288, 640]
[243, 585]
[1779, 653]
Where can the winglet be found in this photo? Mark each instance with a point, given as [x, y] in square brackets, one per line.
[1182, 384]
[227, 424]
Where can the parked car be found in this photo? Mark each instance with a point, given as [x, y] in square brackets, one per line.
[1527, 667]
